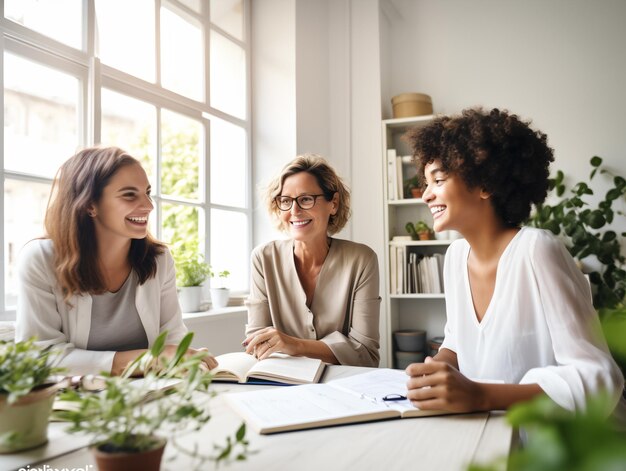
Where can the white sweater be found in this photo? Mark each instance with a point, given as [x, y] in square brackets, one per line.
[42, 312]
[540, 326]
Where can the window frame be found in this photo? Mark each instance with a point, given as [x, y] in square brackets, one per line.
[94, 76]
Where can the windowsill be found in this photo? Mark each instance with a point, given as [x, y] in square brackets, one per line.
[215, 313]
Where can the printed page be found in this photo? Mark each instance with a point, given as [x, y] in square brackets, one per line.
[288, 369]
[379, 383]
[233, 366]
[306, 406]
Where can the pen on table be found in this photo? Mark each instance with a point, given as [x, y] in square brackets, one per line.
[394, 397]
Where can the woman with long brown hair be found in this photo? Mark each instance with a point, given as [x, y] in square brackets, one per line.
[99, 285]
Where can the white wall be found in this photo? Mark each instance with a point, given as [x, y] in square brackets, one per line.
[560, 63]
[324, 72]
[273, 100]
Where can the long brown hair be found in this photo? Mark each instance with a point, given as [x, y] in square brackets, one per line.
[78, 184]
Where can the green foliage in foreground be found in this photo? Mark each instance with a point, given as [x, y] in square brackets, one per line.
[25, 366]
[560, 440]
[121, 418]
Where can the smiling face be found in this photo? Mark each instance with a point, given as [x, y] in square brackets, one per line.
[452, 203]
[307, 224]
[123, 209]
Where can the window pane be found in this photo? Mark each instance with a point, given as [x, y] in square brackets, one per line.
[57, 19]
[126, 36]
[130, 124]
[40, 117]
[228, 15]
[228, 164]
[181, 228]
[229, 247]
[24, 209]
[195, 5]
[228, 76]
[181, 72]
[181, 156]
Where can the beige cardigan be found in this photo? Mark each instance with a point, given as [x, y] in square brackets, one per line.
[42, 312]
[345, 310]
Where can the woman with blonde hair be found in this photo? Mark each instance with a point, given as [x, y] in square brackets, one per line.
[313, 295]
[98, 284]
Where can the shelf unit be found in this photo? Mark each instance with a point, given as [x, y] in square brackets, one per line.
[407, 311]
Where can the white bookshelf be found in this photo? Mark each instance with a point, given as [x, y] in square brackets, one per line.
[425, 311]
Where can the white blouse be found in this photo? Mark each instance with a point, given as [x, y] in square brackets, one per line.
[540, 326]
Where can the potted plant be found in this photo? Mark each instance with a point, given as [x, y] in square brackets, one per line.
[191, 272]
[413, 187]
[582, 228]
[27, 390]
[220, 294]
[130, 432]
[419, 231]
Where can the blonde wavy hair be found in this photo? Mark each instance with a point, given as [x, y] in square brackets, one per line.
[327, 179]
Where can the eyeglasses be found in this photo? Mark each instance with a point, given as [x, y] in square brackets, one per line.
[285, 203]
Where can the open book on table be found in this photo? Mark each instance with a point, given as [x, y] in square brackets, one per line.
[96, 385]
[357, 398]
[277, 369]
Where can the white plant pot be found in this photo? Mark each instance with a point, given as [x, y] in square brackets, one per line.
[219, 297]
[190, 298]
[26, 421]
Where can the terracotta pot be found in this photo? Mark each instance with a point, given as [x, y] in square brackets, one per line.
[424, 235]
[27, 419]
[149, 460]
[417, 192]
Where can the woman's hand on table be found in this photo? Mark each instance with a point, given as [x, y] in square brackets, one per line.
[436, 385]
[269, 340]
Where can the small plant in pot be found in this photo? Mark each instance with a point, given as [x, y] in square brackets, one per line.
[27, 390]
[191, 272]
[219, 293]
[413, 187]
[419, 231]
[131, 433]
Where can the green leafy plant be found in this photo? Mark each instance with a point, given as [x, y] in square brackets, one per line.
[582, 228]
[120, 418]
[191, 270]
[560, 440]
[25, 366]
[419, 230]
[221, 276]
[412, 183]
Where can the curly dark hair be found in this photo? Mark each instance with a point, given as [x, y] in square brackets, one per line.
[494, 151]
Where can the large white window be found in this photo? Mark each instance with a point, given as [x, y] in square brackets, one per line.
[167, 80]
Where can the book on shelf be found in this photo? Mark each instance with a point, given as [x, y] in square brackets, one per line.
[415, 273]
[360, 398]
[400, 169]
[241, 367]
[393, 263]
[391, 175]
[408, 170]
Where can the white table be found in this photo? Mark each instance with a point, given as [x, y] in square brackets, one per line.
[429, 443]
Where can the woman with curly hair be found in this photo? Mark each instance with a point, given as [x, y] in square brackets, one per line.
[313, 295]
[98, 284]
[518, 308]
